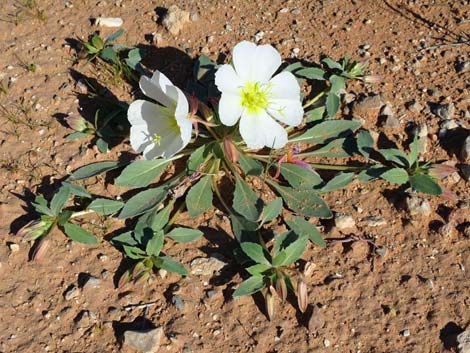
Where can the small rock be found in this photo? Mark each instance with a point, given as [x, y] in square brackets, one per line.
[465, 169]
[316, 321]
[175, 19]
[464, 341]
[177, 301]
[14, 247]
[462, 66]
[418, 206]
[367, 107]
[195, 16]
[259, 36]
[326, 342]
[109, 21]
[414, 107]
[144, 341]
[343, 221]
[447, 230]
[71, 293]
[465, 151]
[92, 282]
[406, 333]
[207, 266]
[375, 221]
[443, 111]
[391, 122]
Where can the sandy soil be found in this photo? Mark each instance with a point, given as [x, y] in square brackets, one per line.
[413, 299]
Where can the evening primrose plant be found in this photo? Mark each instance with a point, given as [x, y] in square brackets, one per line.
[240, 137]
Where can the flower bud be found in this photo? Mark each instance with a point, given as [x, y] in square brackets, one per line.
[372, 79]
[302, 295]
[281, 288]
[231, 151]
[440, 171]
[77, 123]
[35, 229]
[269, 302]
[206, 112]
[40, 250]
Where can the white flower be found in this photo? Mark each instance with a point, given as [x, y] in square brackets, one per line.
[250, 95]
[159, 130]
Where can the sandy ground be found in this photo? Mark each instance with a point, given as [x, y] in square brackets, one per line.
[413, 299]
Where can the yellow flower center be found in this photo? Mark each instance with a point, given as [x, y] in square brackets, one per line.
[254, 97]
[157, 139]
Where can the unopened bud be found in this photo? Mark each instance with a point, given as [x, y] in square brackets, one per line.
[269, 301]
[302, 295]
[372, 78]
[281, 288]
[440, 171]
[231, 151]
[35, 229]
[40, 250]
[206, 112]
[77, 123]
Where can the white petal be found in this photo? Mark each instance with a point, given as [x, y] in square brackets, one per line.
[260, 130]
[157, 88]
[287, 111]
[267, 60]
[226, 79]
[168, 147]
[243, 57]
[181, 115]
[230, 109]
[283, 86]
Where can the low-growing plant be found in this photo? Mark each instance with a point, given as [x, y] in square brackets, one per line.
[245, 142]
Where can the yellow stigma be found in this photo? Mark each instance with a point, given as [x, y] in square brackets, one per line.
[157, 139]
[254, 97]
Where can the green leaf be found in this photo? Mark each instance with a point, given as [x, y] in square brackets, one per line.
[142, 173]
[291, 253]
[249, 165]
[109, 55]
[251, 285]
[195, 160]
[311, 73]
[271, 211]
[305, 202]
[395, 175]
[155, 244]
[77, 190]
[63, 217]
[97, 42]
[158, 220]
[93, 169]
[414, 151]
[332, 104]
[105, 206]
[91, 49]
[258, 269]
[424, 183]
[172, 265]
[184, 235]
[302, 227]
[327, 130]
[293, 67]
[300, 177]
[332, 64]
[126, 238]
[199, 197]
[255, 252]
[396, 156]
[77, 135]
[42, 209]
[365, 143]
[143, 202]
[78, 234]
[134, 57]
[337, 83]
[59, 199]
[134, 252]
[333, 149]
[245, 200]
[338, 182]
[243, 229]
[114, 36]
[102, 145]
[315, 114]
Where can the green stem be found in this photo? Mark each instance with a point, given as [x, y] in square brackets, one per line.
[81, 213]
[174, 217]
[313, 100]
[335, 167]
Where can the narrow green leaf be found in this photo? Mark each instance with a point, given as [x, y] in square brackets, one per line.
[338, 182]
[372, 173]
[59, 199]
[77, 190]
[245, 200]
[414, 151]
[158, 220]
[112, 37]
[126, 238]
[332, 104]
[134, 252]
[271, 211]
[172, 265]
[105, 206]
[365, 143]
[315, 114]
[258, 269]
[327, 130]
[42, 209]
[78, 234]
[255, 252]
[311, 73]
[249, 165]
[184, 235]
[97, 42]
[332, 64]
[109, 55]
[292, 253]
[395, 175]
[142, 202]
[333, 149]
[196, 159]
[77, 135]
[300, 177]
[243, 229]
[305, 202]
[142, 173]
[102, 145]
[337, 83]
[155, 244]
[396, 156]
[93, 169]
[251, 285]
[302, 227]
[424, 183]
[199, 197]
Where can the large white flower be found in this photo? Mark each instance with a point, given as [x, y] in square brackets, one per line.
[159, 130]
[251, 95]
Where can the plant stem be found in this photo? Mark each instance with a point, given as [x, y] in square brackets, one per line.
[174, 217]
[313, 100]
[81, 213]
